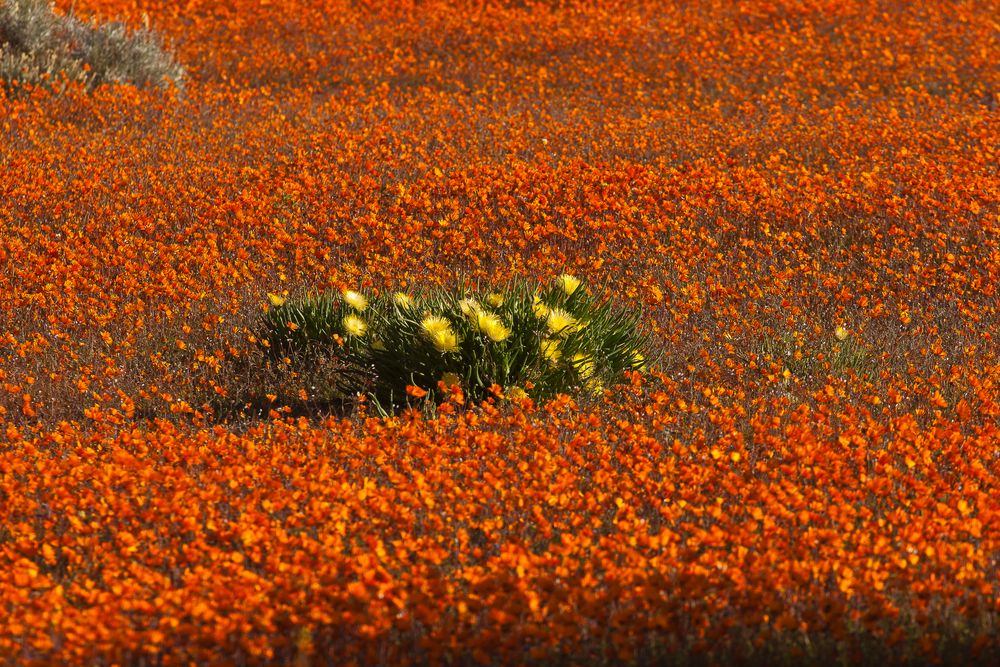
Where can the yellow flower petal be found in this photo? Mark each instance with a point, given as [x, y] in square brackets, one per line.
[550, 350]
[560, 322]
[469, 307]
[355, 300]
[445, 340]
[355, 326]
[569, 283]
[433, 324]
[584, 365]
[539, 308]
[491, 325]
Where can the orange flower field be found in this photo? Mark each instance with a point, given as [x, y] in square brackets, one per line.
[801, 196]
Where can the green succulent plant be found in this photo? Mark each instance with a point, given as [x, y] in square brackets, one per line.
[539, 340]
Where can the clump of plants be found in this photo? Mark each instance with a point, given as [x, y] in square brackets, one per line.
[39, 47]
[836, 354]
[528, 340]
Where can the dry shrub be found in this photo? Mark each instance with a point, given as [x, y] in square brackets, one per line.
[40, 47]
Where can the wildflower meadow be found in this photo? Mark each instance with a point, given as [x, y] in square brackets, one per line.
[499, 332]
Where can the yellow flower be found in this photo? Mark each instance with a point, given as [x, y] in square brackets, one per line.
[355, 300]
[451, 379]
[516, 393]
[540, 309]
[594, 386]
[355, 326]
[445, 340]
[275, 299]
[469, 307]
[560, 322]
[584, 365]
[491, 325]
[433, 324]
[402, 300]
[377, 344]
[550, 350]
[569, 283]
[638, 360]
[440, 333]
[494, 299]
[840, 332]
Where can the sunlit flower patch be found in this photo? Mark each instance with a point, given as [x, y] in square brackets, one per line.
[796, 464]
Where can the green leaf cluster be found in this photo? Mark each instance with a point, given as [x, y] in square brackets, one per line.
[538, 340]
